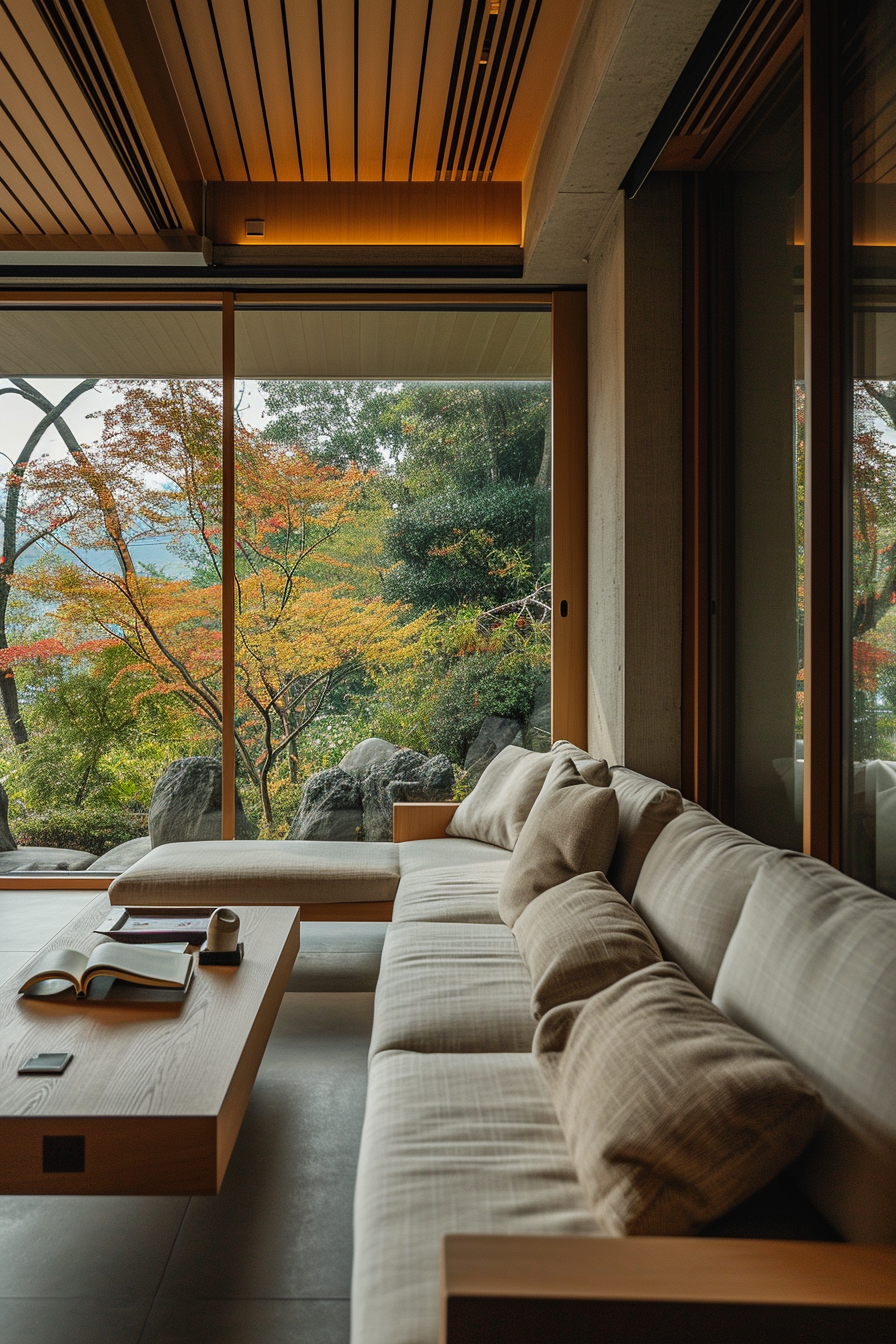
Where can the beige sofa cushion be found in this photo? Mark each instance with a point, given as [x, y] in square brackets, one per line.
[692, 888]
[451, 1143]
[467, 894]
[419, 856]
[645, 807]
[571, 829]
[500, 803]
[673, 1115]
[578, 938]
[259, 872]
[448, 987]
[811, 967]
[593, 769]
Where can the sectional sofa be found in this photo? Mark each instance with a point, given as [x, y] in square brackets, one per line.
[699, 1048]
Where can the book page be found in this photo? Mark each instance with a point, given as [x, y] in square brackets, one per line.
[63, 963]
[149, 964]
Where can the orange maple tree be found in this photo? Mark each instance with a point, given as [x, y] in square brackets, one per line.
[154, 478]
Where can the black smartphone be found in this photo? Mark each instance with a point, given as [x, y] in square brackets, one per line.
[46, 1064]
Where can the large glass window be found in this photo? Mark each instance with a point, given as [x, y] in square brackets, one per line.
[761, 427]
[392, 560]
[110, 584]
[870, 140]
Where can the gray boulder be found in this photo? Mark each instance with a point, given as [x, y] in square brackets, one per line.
[40, 858]
[372, 751]
[407, 777]
[495, 734]
[330, 808]
[186, 804]
[122, 856]
[7, 842]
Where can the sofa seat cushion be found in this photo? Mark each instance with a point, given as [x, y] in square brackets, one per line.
[259, 872]
[467, 894]
[417, 856]
[811, 968]
[451, 1143]
[451, 987]
[692, 888]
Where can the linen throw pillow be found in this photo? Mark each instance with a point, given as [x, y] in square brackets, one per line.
[495, 810]
[672, 1114]
[571, 829]
[592, 768]
[578, 938]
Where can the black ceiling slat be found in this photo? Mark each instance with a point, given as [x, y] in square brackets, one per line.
[388, 88]
[292, 87]
[72, 29]
[471, 63]
[355, 86]
[264, 110]
[323, 83]
[64, 109]
[516, 33]
[536, 10]
[21, 204]
[452, 85]
[49, 174]
[223, 64]
[199, 98]
[485, 88]
[38, 114]
[420, 91]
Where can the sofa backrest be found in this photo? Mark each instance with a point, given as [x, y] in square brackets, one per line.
[692, 888]
[645, 807]
[811, 968]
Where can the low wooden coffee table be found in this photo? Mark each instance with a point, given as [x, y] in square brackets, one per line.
[155, 1095]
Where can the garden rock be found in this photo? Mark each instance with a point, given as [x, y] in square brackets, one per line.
[407, 777]
[495, 734]
[122, 856]
[372, 751]
[37, 858]
[6, 839]
[186, 804]
[330, 808]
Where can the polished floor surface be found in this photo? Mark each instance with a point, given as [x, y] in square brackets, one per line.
[266, 1261]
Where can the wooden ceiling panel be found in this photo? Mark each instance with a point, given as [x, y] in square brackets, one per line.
[235, 41]
[195, 28]
[446, 20]
[165, 20]
[304, 48]
[549, 40]
[339, 71]
[376, 123]
[411, 42]
[274, 71]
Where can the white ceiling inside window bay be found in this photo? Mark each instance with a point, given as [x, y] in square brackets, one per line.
[276, 343]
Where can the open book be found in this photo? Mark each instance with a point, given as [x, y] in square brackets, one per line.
[140, 965]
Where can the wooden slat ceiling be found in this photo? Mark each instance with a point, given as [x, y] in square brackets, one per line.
[71, 160]
[114, 112]
[363, 90]
[276, 343]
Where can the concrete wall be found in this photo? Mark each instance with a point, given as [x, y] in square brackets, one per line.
[634, 486]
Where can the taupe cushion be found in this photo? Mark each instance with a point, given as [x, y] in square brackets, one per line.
[448, 987]
[592, 768]
[811, 967]
[645, 807]
[571, 829]
[692, 888]
[500, 803]
[451, 1143]
[467, 894]
[673, 1115]
[419, 856]
[259, 872]
[578, 938]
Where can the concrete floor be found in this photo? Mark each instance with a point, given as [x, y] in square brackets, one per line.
[266, 1261]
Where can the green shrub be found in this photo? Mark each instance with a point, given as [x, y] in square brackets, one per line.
[96, 830]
